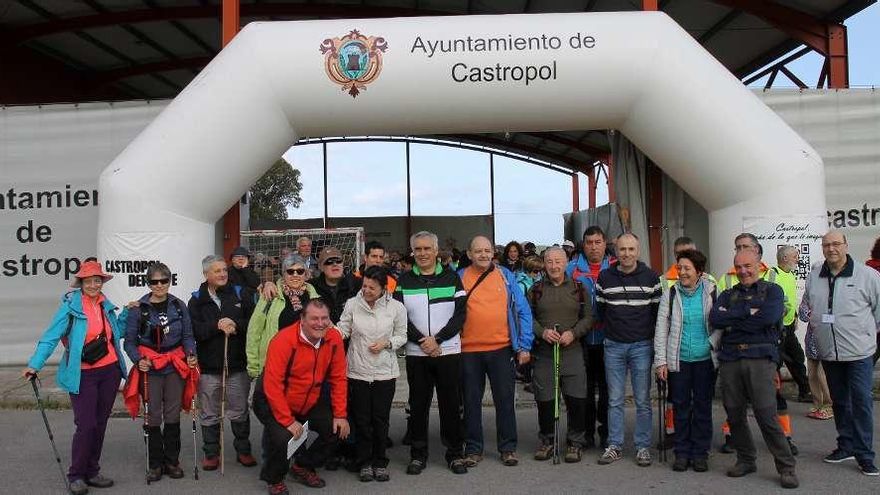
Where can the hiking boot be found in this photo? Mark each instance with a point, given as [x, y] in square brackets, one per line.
[79, 487]
[788, 479]
[643, 457]
[415, 466]
[572, 454]
[210, 463]
[611, 454]
[701, 465]
[509, 459]
[246, 460]
[366, 474]
[838, 456]
[100, 481]
[154, 474]
[278, 489]
[726, 448]
[471, 460]
[680, 465]
[739, 470]
[792, 446]
[458, 466]
[381, 474]
[868, 468]
[306, 476]
[544, 452]
[173, 471]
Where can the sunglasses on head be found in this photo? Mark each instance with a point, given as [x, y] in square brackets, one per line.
[296, 271]
[333, 261]
[157, 281]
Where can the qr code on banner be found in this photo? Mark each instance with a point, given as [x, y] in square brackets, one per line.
[803, 266]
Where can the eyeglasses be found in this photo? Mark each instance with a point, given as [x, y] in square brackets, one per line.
[333, 261]
[835, 244]
[159, 281]
[296, 271]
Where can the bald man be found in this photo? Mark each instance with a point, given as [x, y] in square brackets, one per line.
[497, 328]
[750, 315]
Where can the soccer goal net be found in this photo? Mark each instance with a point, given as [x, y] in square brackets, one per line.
[268, 247]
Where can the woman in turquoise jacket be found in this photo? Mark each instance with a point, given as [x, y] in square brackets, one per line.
[90, 328]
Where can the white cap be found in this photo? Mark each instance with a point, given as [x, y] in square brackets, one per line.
[567, 243]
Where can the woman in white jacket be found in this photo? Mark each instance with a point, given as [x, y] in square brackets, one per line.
[375, 325]
[684, 354]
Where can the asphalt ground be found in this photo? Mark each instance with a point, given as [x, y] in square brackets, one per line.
[28, 466]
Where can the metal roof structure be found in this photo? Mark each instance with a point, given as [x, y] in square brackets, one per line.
[86, 50]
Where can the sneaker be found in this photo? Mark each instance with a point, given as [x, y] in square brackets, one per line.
[210, 463]
[572, 454]
[611, 454]
[643, 457]
[154, 474]
[868, 468]
[727, 448]
[509, 458]
[680, 465]
[100, 481]
[471, 460]
[739, 470]
[701, 465]
[838, 456]
[826, 413]
[788, 480]
[366, 474]
[381, 474]
[415, 466]
[246, 460]
[544, 452]
[79, 487]
[173, 471]
[278, 489]
[458, 466]
[306, 476]
[792, 446]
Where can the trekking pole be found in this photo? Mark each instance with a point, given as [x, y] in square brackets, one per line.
[556, 399]
[192, 413]
[33, 380]
[223, 401]
[147, 428]
[661, 427]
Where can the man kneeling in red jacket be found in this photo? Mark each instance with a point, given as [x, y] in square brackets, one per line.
[300, 361]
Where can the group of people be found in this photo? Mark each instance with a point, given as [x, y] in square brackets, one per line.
[319, 345]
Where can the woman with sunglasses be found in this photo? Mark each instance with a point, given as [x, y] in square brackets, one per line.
[159, 339]
[88, 326]
[279, 312]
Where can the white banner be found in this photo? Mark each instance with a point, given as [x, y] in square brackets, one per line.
[803, 232]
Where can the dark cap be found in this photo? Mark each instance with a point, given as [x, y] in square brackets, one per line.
[240, 251]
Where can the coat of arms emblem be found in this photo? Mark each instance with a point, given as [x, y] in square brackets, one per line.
[354, 60]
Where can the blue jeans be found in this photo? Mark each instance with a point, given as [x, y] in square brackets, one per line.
[636, 358]
[690, 391]
[850, 385]
[499, 367]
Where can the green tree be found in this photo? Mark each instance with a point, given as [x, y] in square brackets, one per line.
[277, 189]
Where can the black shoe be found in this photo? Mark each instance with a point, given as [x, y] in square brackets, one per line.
[680, 465]
[838, 456]
[100, 481]
[792, 446]
[457, 466]
[701, 465]
[173, 471]
[415, 466]
[740, 470]
[868, 468]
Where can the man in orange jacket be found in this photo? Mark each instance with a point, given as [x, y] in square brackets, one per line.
[300, 361]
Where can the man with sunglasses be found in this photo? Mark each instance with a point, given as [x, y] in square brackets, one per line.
[333, 285]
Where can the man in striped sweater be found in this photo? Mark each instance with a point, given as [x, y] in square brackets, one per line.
[628, 296]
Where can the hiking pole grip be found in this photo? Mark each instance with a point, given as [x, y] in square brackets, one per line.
[34, 379]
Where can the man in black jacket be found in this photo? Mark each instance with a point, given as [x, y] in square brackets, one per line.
[240, 272]
[220, 312]
[333, 285]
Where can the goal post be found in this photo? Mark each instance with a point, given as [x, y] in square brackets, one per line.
[266, 246]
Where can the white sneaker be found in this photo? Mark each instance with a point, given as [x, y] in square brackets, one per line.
[611, 454]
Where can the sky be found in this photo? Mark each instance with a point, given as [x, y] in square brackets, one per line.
[529, 200]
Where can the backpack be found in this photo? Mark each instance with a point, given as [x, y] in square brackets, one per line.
[143, 326]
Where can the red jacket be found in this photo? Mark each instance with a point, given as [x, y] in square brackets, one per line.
[295, 372]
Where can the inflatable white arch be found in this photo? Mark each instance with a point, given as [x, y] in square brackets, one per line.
[639, 72]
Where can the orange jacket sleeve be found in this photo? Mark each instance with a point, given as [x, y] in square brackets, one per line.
[277, 357]
[338, 380]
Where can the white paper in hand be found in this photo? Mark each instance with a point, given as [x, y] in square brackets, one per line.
[295, 443]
